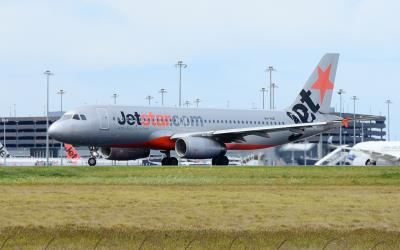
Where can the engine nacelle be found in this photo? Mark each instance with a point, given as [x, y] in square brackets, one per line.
[199, 148]
[125, 154]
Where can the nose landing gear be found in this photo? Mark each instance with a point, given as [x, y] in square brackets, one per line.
[168, 160]
[93, 154]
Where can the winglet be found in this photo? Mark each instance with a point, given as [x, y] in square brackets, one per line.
[345, 122]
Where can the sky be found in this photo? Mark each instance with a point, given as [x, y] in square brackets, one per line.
[99, 47]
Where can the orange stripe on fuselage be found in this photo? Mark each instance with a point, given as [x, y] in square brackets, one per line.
[165, 143]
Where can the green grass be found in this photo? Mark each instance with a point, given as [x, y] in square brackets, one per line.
[202, 175]
[200, 207]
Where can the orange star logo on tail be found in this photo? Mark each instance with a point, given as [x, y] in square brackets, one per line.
[323, 83]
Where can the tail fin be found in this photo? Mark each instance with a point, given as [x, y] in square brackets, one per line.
[316, 95]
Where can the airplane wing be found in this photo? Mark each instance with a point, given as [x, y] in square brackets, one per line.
[380, 155]
[236, 135]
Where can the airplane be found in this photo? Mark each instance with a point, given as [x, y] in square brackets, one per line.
[130, 132]
[373, 152]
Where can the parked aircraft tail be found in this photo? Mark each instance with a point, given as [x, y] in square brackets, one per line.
[316, 95]
[72, 153]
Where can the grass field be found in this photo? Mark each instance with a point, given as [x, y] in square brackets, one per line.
[200, 207]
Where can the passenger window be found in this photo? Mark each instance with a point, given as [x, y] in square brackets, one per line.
[76, 117]
[83, 117]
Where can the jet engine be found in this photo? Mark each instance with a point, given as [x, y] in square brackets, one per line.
[199, 148]
[125, 154]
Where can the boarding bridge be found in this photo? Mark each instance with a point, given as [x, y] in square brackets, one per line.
[333, 158]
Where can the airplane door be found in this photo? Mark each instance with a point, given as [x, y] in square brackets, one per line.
[102, 114]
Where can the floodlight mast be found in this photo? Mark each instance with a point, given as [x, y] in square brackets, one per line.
[388, 102]
[162, 92]
[149, 98]
[48, 73]
[263, 90]
[354, 98]
[61, 92]
[115, 96]
[340, 92]
[270, 69]
[180, 65]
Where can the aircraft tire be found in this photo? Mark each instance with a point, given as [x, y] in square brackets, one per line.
[92, 161]
[165, 161]
[224, 160]
[220, 160]
[169, 161]
[173, 161]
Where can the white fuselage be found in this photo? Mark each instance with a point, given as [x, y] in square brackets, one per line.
[383, 152]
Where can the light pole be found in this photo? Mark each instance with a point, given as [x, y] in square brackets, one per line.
[48, 74]
[187, 103]
[162, 92]
[263, 90]
[180, 65]
[61, 92]
[197, 101]
[15, 110]
[354, 98]
[340, 92]
[270, 69]
[115, 96]
[274, 86]
[388, 102]
[4, 120]
[149, 98]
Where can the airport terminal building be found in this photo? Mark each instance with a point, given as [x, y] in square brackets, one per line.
[26, 136]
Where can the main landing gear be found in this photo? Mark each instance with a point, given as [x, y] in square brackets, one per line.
[93, 154]
[168, 160]
[221, 160]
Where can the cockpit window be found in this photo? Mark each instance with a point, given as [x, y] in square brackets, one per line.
[76, 117]
[83, 117]
[66, 116]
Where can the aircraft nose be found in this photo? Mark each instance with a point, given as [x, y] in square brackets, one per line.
[55, 131]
